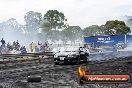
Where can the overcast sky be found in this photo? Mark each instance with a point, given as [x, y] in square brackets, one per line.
[78, 12]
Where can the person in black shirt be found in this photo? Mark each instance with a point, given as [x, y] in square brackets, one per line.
[23, 49]
[3, 42]
[14, 43]
[17, 46]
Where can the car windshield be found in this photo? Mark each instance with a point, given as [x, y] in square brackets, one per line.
[62, 49]
[71, 49]
[58, 49]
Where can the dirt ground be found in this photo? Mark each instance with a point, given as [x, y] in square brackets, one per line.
[14, 75]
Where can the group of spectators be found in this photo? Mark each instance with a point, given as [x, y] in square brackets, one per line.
[40, 47]
[44, 47]
[23, 49]
[14, 46]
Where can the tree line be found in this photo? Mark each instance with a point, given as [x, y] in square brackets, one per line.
[53, 26]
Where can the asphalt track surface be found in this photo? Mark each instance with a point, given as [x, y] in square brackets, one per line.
[14, 74]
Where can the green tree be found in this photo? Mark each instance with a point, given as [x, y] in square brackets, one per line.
[55, 19]
[45, 26]
[71, 33]
[116, 27]
[64, 36]
[93, 30]
[32, 20]
[53, 35]
[14, 26]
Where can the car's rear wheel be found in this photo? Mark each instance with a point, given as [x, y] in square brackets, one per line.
[78, 61]
[86, 59]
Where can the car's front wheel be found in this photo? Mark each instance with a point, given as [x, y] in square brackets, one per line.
[57, 63]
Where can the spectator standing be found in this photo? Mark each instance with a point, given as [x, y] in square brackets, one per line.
[3, 42]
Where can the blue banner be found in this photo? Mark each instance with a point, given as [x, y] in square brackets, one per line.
[109, 39]
[129, 38]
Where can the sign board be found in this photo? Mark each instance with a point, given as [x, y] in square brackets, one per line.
[109, 39]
